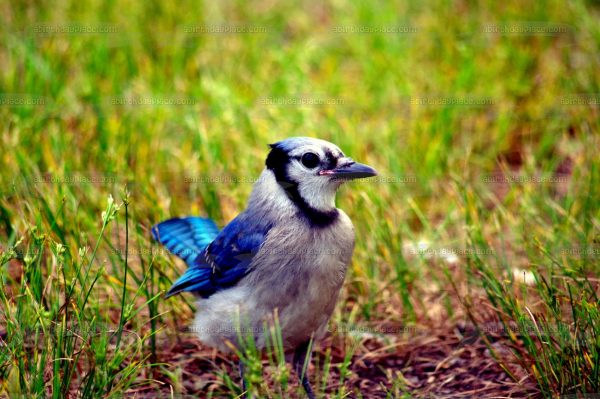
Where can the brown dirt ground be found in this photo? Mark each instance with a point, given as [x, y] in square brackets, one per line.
[454, 363]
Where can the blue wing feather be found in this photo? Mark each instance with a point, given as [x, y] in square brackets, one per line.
[216, 260]
[186, 237]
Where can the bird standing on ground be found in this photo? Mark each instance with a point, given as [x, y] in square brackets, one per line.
[286, 253]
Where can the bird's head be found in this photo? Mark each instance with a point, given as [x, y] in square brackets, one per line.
[311, 170]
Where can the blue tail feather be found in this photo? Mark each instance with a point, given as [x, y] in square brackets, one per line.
[216, 260]
[186, 237]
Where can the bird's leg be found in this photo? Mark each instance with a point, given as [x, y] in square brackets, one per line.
[302, 353]
[241, 369]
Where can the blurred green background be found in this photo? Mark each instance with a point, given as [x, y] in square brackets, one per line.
[482, 119]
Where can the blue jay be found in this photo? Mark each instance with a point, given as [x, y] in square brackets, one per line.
[286, 253]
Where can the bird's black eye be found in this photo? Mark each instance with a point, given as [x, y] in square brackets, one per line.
[310, 160]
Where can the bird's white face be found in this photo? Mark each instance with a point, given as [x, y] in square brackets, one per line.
[313, 170]
[307, 167]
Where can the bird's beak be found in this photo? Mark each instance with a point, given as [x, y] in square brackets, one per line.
[350, 170]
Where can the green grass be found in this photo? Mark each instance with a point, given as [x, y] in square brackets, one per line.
[81, 299]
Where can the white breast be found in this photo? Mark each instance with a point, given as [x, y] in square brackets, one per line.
[297, 273]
